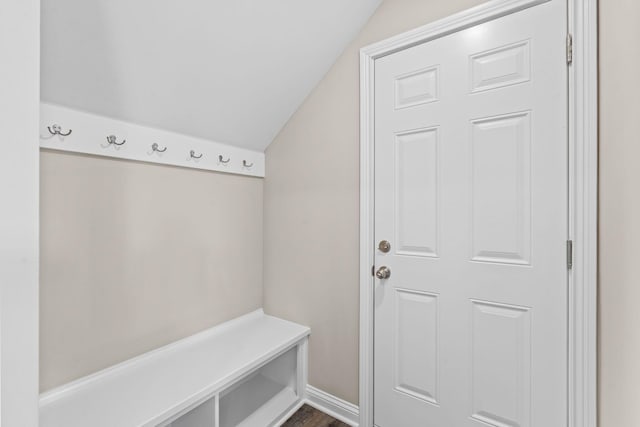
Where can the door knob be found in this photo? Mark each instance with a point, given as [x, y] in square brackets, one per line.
[383, 273]
[384, 246]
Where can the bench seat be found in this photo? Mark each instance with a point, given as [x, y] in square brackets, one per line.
[160, 386]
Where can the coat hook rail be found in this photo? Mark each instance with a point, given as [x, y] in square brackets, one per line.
[111, 139]
[65, 129]
[57, 130]
[155, 148]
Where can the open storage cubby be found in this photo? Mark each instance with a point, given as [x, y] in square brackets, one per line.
[203, 415]
[266, 394]
[260, 399]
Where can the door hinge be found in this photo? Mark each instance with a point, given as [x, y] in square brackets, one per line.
[569, 49]
[569, 254]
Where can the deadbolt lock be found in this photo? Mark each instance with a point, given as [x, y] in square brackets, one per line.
[383, 273]
[384, 246]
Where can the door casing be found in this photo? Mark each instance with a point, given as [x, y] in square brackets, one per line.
[19, 183]
[583, 194]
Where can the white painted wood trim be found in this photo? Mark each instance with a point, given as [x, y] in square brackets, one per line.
[583, 194]
[303, 369]
[216, 410]
[451, 24]
[19, 225]
[366, 238]
[583, 208]
[334, 406]
[90, 131]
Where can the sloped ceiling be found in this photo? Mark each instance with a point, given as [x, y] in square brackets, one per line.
[230, 71]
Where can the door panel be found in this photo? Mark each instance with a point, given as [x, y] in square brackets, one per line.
[501, 368]
[506, 65]
[416, 357]
[416, 87]
[471, 190]
[501, 189]
[416, 192]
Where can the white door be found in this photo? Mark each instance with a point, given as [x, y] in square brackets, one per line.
[471, 172]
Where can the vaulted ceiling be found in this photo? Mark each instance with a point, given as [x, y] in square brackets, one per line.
[231, 71]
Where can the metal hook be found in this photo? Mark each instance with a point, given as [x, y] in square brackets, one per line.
[57, 130]
[155, 146]
[222, 160]
[246, 165]
[193, 155]
[111, 139]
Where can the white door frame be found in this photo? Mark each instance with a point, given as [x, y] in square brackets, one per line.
[19, 163]
[583, 193]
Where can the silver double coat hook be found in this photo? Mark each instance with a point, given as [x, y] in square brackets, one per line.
[57, 130]
[112, 140]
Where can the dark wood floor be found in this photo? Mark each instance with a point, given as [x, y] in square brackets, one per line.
[311, 417]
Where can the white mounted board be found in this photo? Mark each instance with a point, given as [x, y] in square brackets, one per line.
[90, 133]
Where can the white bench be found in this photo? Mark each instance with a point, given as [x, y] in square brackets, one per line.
[248, 372]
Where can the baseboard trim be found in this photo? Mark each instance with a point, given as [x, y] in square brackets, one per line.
[334, 406]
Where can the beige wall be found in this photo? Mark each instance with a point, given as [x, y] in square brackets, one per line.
[311, 206]
[135, 255]
[619, 213]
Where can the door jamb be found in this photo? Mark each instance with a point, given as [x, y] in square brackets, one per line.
[583, 194]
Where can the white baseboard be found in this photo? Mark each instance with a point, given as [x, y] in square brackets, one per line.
[334, 406]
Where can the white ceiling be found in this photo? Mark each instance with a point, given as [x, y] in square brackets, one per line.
[232, 71]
